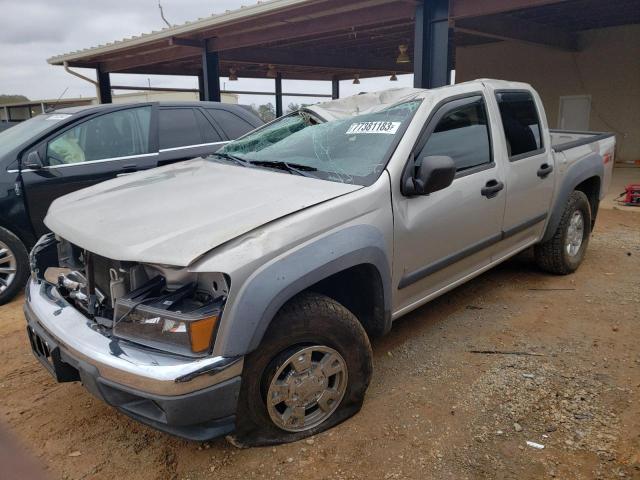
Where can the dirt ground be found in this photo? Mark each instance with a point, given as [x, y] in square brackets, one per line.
[434, 409]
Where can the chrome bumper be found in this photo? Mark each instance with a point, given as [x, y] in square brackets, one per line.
[121, 362]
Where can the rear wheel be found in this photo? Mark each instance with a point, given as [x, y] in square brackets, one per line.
[310, 372]
[14, 265]
[563, 253]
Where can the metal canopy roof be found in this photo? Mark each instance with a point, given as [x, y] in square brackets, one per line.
[304, 39]
[324, 39]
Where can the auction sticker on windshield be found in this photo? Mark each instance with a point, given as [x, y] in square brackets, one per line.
[59, 116]
[389, 128]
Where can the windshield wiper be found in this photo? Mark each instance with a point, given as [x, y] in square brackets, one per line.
[234, 158]
[287, 166]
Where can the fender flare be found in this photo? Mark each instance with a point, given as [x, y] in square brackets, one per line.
[265, 292]
[587, 167]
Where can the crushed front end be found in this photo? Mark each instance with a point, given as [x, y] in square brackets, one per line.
[140, 337]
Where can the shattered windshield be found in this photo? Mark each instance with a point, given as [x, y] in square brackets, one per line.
[352, 150]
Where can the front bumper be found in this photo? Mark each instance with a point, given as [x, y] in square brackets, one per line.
[191, 398]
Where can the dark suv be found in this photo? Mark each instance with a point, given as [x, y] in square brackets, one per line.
[56, 153]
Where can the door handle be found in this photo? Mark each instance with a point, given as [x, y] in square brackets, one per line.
[544, 170]
[492, 188]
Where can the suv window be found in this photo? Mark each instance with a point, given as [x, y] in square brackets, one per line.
[462, 133]
[520, 122]
[117, 134]
[209, 133]
[178, 128]
[232, 124]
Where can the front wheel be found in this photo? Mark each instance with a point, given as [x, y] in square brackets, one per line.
[563, 253]
[14, 265]
[310, 372]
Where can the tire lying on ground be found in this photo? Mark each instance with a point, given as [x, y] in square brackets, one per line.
[310, 372]
[14, 265]
[563, 253]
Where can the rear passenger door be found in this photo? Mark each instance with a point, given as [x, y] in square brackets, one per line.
[529, 172]
[185, 132]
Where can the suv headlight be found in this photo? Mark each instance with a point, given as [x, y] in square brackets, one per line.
[181, 321]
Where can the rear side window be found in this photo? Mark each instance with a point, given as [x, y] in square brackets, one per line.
[209, 134]
[462, 133]
[122, 133]
[232, 124]
[520, 122]
[178, 128]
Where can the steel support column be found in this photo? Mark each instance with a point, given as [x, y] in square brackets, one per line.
[201, 86]
[432, 49]
[335, 88]
[104, 87]
[210, 85]
[278, 94]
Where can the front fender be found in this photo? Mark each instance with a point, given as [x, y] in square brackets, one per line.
[266, 291]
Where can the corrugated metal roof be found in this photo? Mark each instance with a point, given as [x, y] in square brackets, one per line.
[189, 27]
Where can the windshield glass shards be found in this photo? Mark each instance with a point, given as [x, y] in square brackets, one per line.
[351, 150]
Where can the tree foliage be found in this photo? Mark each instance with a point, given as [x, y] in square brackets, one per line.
[4, 99]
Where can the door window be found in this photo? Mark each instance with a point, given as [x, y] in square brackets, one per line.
[233, 125]
[520, 122]
[117, 134]
[178, 128]
[461, 133]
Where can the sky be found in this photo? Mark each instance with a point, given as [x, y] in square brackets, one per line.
[34, 30]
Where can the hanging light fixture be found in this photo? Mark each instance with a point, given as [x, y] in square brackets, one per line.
[403, 56]
[233, 75]
[356, 79]
[393, 78]
[271, 72]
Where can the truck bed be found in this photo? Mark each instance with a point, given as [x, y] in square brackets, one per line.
[570, 146]
[562, 140]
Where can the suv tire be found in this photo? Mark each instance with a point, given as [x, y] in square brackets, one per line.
[14, 265]
[310, 372]
[563, 253]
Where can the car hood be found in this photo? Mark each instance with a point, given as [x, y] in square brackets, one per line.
[174, 214]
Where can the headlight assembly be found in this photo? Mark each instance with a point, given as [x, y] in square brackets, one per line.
[181, 321]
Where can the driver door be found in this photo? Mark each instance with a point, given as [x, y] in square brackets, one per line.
[91, 151]
[443, 237]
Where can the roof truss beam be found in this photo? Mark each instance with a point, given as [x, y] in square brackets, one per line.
[474, 8]
[512, 28]
[350, 21]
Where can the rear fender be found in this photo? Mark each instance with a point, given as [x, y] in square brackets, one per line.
[587, 167]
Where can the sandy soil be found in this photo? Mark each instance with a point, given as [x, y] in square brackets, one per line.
[434, 409]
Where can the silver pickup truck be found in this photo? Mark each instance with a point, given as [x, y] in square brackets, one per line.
[236, 294]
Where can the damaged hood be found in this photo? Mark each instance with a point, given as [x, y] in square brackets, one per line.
[174, 214]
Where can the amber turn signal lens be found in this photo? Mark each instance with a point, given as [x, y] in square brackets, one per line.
[201, 332]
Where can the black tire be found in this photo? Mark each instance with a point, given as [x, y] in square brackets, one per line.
[19, 252]
[308, 319]
[552, 256]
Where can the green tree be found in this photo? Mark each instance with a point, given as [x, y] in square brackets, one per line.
[4, 99]
[267, 112]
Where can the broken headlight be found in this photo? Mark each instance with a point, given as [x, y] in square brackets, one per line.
[180, 321]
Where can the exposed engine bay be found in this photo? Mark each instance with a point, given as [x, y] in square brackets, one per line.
[141, 303]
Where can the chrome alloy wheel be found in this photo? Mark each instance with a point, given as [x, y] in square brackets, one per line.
[8, 267]
[575, 233]
[307, 388]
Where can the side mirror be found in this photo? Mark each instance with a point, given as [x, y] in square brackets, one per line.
[33, 162]
[434, 173]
